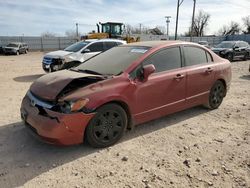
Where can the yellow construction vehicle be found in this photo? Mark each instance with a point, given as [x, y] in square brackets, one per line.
[110, 30]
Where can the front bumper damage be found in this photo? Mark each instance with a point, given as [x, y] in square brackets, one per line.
[54, 127]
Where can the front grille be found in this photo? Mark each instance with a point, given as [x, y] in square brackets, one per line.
[35, 101]
[47, 60]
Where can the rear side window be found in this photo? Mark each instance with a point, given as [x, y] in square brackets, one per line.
[109, 45]
[96, 47]
[209, 57]
[166, 59]
[194, 55]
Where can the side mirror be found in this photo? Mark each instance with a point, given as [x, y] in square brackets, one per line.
[236, 47]
[86, 51]
[147, 71]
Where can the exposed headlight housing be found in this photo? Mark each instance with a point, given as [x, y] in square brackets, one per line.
[73, 106]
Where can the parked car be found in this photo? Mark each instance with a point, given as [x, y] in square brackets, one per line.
[204, 43]
[232, 50]
[77, 53]
[1, 49]
[16, 48]
[122, 87]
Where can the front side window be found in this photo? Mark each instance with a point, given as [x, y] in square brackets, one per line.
[194, 55]
[96, 47]
[76, 47]
[166, 59]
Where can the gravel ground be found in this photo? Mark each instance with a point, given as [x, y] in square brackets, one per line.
[192, 148]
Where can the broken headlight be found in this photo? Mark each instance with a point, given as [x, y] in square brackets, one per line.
[76, 106]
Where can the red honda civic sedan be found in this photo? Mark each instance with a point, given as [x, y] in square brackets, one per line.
[122, 87]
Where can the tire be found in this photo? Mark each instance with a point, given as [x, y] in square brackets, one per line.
[26, 51]
[107, 126]
[17, 53]
[216, 95]
[230, 57]
[245, 57]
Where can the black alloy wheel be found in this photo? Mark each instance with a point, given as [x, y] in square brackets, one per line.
[107, 126]
[217, 93]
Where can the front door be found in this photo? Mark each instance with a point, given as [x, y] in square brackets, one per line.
[164, 91]
[93, 50]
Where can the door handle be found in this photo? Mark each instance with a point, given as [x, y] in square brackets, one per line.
[179, 76]
[209, 70]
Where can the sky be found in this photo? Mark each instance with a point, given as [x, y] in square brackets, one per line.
[31, 18]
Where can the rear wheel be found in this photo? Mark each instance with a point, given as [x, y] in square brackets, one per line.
[107, 126]
[216, 95]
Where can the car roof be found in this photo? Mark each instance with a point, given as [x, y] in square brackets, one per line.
[154, 44]
[105, 40]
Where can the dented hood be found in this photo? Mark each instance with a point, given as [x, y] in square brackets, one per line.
[48, 87]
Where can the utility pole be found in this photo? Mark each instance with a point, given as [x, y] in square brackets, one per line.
[140, 28]
[168, 21]
[77, 34]
[177, 17]
[192, 25]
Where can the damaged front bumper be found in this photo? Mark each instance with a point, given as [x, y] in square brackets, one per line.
[54, 127]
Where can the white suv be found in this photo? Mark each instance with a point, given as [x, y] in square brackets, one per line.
[77, 53]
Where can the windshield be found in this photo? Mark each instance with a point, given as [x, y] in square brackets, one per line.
[225, 45]
[113, 61]
[12, 45]
[76, 47]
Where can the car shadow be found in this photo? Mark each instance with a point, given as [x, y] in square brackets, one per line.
[27, 78]
[24, 158]
[245, 77]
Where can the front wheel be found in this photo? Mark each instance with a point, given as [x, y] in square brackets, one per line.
[107, 126]
[245, 56]
[216, 95]
[230, 57]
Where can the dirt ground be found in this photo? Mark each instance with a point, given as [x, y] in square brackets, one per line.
[192, 148]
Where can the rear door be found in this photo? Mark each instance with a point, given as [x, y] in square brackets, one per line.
[164, 91]
[200, 70]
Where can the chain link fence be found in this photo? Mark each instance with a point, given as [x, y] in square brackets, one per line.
[55, 43]
[39, 43]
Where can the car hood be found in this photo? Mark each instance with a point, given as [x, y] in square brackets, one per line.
[10, 48]
[51, 86]
[58, 54]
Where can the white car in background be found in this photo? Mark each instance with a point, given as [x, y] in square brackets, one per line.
[77, 53]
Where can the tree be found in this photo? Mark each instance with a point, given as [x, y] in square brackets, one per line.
[232, 29]
[71, 33]
[48, 34]
[200, 23]
[161, 28]
[246, 22]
